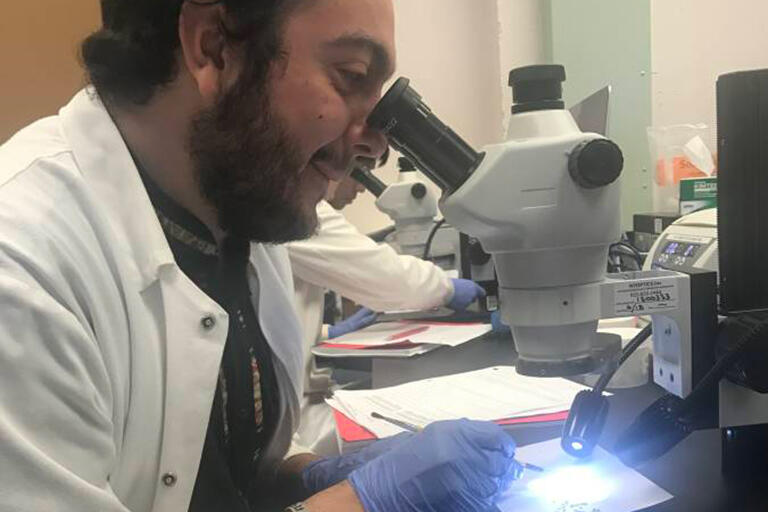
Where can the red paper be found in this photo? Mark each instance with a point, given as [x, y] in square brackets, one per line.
[351, 432]
[402, 344]
[423, 326]
[540, 418]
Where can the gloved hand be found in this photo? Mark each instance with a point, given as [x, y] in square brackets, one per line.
[363, 317]
[465, 292]
[324, 473]
[452, 466]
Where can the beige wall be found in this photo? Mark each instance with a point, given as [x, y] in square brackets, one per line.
[694, 41]
[523, 41]
[454, 52]
[39, 47]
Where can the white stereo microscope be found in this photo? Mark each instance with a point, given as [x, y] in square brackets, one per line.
[413, 207]
[546, 205]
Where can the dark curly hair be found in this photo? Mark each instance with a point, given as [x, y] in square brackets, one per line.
[135, 52]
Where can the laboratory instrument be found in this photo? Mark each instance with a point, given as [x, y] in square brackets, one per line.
[413, 207]
[728, 240]
[646, 228]
[545, 205]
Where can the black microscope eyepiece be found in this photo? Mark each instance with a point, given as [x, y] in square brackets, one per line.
[367, 179]
[537, 88]
[413, 130]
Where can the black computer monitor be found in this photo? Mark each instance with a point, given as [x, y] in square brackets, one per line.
[742, 133]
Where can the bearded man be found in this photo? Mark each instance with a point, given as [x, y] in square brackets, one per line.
[150, 356]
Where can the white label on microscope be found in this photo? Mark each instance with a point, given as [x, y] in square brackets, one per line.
[645, 297]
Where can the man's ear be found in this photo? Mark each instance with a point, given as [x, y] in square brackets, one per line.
[204, 49]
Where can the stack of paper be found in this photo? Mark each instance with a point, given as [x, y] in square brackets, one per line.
[414, 333]
[388, 352]
[490, 394]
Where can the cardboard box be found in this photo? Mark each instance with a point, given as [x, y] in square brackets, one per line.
[697, 194]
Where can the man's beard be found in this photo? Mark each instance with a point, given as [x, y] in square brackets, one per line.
[248, 168]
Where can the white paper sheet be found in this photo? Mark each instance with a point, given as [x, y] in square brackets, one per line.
[388, 333]
[489, 394]
[603, 484]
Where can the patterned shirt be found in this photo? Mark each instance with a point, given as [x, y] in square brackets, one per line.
[245, 406]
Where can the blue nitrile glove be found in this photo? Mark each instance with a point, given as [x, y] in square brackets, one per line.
[363, 317]
[324, 473]
[452, 466]
[465, 292]
[497, 324]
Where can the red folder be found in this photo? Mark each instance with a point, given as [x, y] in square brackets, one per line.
[351, 432]
[404, 334]
[402, 344]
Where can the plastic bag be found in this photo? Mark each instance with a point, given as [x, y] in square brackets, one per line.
[678, 152]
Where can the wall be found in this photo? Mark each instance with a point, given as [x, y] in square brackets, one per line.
[694, 41]
[449, 50]
[661, 56]
[454, 51]
[524, 40]
[40, 69]
[603, 42]
[457, 54]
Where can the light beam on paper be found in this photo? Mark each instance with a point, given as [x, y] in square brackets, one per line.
[575, 484]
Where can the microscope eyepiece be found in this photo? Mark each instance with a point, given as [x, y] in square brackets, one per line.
[537, 88]
[413, 130]
[366, 178]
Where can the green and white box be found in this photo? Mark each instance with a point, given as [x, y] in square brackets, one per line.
[697, 194]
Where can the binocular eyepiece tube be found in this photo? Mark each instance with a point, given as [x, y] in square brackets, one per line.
[413, 130]
[366, 178]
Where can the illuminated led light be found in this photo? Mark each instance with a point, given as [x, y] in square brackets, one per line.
[575, 484]
[577, 446]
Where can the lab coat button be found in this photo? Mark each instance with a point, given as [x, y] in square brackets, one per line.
[169, 479]
[208, 322]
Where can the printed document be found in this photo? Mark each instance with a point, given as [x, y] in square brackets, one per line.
[490, 394]
[390, 333]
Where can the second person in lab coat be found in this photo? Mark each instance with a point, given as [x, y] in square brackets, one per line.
[340, 258]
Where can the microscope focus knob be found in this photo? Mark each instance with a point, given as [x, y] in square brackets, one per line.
[595, 163]
[419, 190]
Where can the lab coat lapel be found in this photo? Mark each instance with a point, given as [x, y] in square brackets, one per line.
[196, 330]
[195, 326]
[272, 283]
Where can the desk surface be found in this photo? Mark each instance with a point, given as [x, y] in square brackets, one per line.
[690, 471]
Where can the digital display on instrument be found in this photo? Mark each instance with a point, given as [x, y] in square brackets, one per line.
[690, 250]
[681, 249]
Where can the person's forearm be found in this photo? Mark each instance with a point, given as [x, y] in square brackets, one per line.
[339, 498]
[289, 476]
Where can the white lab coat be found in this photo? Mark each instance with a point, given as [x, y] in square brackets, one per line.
[107, 373]
[342, 259]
